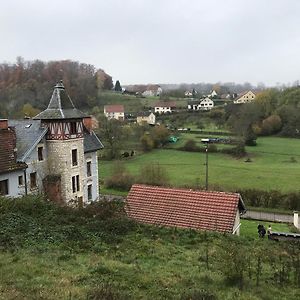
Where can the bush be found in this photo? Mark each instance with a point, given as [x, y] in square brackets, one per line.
[271, 199]
[146, 142]
[153, 174]
[237, 151]
[190, 145]
[120, 179]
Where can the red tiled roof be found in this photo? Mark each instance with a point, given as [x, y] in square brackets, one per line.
[204, 210]
[114, 108]
[165, 104]
[8, 161]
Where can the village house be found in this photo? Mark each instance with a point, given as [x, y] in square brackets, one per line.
[55, 153]
[114, 112]
[183, 208]
[145, 118]
[203, 104]
[164, 107]
[212, 94]
[150, 90]
[245, 97]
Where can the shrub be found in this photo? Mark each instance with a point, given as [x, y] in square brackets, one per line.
[146, 142]
[153, 174]
[237, 151]
[190, 145]
[120, 179]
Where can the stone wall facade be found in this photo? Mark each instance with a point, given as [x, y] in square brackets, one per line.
[60, 163]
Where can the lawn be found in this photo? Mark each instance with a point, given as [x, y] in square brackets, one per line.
[275, 166]
[50, 252]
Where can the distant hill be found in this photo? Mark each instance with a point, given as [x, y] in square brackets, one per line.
[31, 82]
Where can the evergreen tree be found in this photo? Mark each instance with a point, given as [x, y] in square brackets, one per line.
[118, 87]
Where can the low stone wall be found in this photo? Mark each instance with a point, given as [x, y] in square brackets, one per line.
[266, 216]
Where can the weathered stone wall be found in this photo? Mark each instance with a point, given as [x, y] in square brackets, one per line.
[60, 163]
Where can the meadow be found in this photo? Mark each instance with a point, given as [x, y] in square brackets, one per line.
[50, 252]
[275, 165]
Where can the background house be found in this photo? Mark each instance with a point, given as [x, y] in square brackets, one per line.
[202, 104]
[164, 107]
[201, 210]
[245, 97]
[146, 117]
[114, 112]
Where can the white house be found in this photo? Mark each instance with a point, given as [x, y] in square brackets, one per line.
[164, 107]
[204, 104]
[245, 98]
[145, 118]
[59, 151]
[212, 94]
[114, 112]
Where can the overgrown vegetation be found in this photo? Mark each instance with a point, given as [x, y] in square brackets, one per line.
[51, 252]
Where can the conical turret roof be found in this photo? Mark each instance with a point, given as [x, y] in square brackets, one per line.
[60, 106]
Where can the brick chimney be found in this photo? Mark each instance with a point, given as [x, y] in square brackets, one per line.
[3, 124]
[87, 121]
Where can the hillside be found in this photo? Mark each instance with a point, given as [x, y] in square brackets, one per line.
[49, 252]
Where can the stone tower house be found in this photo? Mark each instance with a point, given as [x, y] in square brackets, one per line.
[66, 140]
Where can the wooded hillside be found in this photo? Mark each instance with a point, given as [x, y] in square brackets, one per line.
[30, 84]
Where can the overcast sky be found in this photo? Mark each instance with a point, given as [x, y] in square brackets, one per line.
[160, 41]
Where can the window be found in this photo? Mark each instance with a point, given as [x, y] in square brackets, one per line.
[4, 187]
[73, 128]
[40, 154]
[90, 193]
[75, 184]
[89, 168]
[20, 180]
[32, 180]
[74, 157]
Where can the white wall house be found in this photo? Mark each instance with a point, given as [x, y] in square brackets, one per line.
[146, 118]
[59, 150]
[164, 107]
[245, 98]
[205, 104]
[114, 112]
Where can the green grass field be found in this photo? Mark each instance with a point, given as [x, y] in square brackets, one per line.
[272, 166]
[49, 252]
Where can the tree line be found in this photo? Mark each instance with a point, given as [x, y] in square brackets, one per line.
[26, 86]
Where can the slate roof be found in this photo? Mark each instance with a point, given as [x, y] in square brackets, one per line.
[60, 106]
[8, 160]
[144, 114]
[114, 108]
[165, 104]
[91, 142]
[29, 133]
[203, 210]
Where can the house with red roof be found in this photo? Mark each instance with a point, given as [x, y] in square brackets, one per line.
[11, 171]
[183, 208]
[115, 111]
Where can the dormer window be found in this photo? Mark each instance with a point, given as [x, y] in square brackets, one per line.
[73, 128]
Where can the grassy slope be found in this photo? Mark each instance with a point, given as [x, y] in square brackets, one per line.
[271, 167]
[60, 254]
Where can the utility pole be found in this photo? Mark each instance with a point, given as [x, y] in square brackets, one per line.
[206, 141]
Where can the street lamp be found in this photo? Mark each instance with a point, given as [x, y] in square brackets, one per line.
[206, 141]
